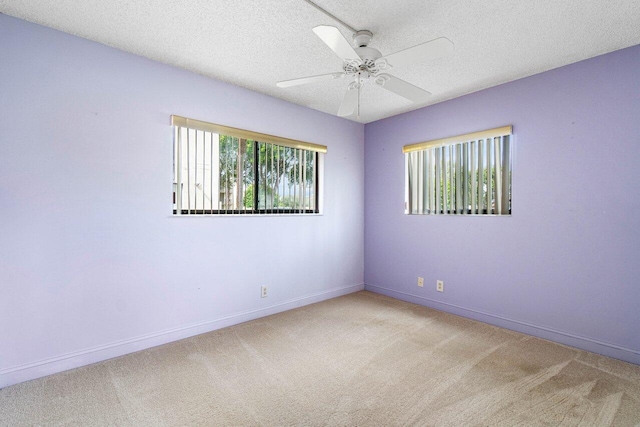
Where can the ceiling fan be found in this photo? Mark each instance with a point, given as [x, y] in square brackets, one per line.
[365, 64]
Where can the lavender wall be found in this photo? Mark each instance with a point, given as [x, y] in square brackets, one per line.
[92, 265]
[566, 264]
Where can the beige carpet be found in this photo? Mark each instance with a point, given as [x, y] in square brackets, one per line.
[359, 360]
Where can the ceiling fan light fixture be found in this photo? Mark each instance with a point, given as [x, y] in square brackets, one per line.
[366, 65]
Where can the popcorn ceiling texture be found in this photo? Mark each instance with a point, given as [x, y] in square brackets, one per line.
[254, 44]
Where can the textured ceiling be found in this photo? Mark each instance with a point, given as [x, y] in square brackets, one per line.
[256, 43]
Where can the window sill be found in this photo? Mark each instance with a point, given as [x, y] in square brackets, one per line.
[245, 215]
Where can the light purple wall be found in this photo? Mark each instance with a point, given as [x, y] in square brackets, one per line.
[566, 264]
[92, 265]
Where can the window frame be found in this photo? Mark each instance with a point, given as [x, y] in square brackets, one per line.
[315, 152]
[443, 176]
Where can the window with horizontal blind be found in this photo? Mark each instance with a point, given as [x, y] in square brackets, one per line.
[463, 175]
[222, 170]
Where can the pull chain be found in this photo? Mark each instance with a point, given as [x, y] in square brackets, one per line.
[359, 84]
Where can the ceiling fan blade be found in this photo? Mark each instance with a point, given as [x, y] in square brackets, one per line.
[312, 79]
[349, 102]
[422, 52]
[402, 88]
[336, 42]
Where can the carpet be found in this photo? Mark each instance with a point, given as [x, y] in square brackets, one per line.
[358, 360]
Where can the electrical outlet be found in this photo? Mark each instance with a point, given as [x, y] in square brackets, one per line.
[264, 291]
[439, 285]
[421, 281]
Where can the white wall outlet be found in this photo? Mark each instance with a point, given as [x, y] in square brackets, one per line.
[263, 291]
[421, 281]
[439, 285]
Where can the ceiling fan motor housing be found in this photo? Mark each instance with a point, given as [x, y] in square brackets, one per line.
[366, 65]
[368, 53]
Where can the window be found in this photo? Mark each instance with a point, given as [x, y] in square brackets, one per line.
[467, 174]
[223, 170]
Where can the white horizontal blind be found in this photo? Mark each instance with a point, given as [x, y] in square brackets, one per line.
[466, 177]
[222, 174]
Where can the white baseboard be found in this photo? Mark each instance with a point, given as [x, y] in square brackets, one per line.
[566, 338]
[41, 368]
